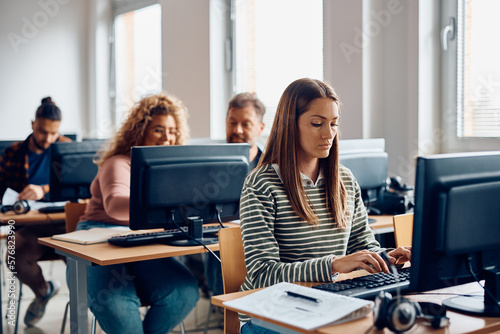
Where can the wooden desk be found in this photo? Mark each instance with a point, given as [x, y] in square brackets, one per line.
[103, 254]
[459, 323]
[382, 224]
[32, 218]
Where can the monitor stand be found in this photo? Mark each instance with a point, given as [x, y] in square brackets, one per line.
[479, 305]
[195, 232]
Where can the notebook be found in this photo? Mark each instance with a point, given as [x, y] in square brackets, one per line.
[92, 236]
[301, 306]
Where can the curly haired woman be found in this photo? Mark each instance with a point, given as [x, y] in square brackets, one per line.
[115, 292]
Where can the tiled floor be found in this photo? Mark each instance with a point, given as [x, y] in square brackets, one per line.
[52, 320]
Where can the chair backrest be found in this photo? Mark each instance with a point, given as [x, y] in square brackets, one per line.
[403, 229]
[73, 213]
[233, 271]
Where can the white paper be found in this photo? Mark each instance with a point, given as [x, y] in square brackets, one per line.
[10, 197]
[274, 303]
[93, 235]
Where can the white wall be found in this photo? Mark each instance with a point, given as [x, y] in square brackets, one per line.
[343, 61]
[42, 53]
[387, 80]
[186, 59]
[381, 57]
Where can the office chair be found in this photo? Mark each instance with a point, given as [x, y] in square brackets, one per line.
[234, 271]
[403, 229]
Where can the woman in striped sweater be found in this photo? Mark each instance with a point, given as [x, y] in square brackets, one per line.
[302, 216]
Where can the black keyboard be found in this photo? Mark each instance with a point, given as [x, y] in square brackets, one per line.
[368, 287]
[161, 237]
[51, 209]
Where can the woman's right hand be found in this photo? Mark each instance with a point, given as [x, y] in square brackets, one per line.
[369, 261]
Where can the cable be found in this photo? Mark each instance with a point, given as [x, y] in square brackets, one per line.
[469, 267]
[49, 219]
[198, 241]
[219, 220]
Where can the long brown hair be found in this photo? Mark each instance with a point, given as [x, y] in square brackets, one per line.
[133, 129]
[283, 144]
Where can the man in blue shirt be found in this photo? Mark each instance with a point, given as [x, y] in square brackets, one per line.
[24, 167]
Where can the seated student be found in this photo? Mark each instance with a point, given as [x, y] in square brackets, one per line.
[24, 167]
[244, 123]
[302, 216]
[115, 292]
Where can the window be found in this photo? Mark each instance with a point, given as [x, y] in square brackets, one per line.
[273, 47]
[471, 89]
[137, 57]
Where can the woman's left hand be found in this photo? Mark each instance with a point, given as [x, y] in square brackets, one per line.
[400, 255]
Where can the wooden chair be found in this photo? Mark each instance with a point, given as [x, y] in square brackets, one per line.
[73, 211]
[403, 229]
[233, 271]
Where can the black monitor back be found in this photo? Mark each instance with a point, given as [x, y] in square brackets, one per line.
[6, 143]
[170, 183]
[72, 169]
[456, 220]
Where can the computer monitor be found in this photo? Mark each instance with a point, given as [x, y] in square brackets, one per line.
[456, 228]
[6, 143]
[189, 185]
[367, 160]
[72, 169]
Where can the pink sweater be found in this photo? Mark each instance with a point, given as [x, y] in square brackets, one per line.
[110, 192]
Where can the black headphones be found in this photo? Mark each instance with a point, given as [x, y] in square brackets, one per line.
[400, 316]
[19, 207]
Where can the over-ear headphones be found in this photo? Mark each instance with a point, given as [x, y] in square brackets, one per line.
[400, 316]
[18, 207]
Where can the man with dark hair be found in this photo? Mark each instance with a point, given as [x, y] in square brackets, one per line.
[244, 123]
[24, 167]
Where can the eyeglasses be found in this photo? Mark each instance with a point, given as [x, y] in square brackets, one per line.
[173, 132]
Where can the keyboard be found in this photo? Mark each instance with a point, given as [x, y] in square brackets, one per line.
[160, 237]
[369, 286]
[51, 209]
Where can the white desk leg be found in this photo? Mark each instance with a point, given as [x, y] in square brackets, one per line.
[78, 294]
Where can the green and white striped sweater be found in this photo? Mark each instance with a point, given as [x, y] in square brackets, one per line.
[280, 247]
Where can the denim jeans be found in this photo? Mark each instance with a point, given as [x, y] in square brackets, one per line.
[250, 328]
[116, 292]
